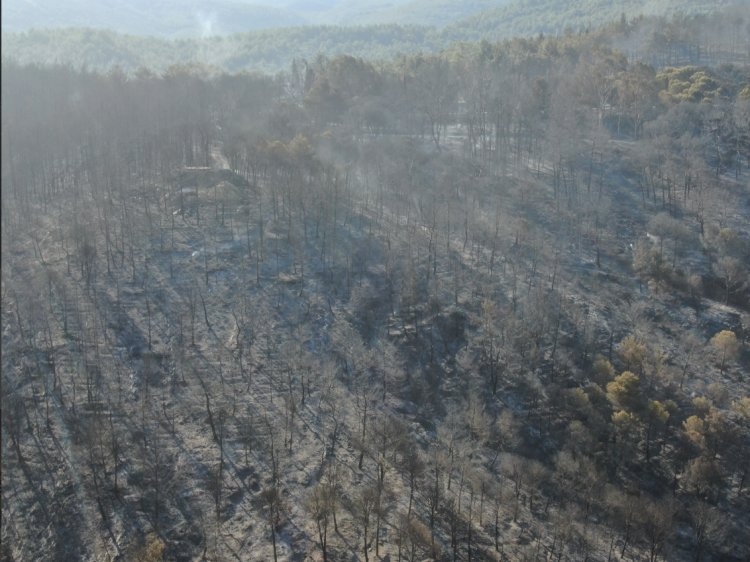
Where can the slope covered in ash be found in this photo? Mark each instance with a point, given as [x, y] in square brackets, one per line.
[486, 305]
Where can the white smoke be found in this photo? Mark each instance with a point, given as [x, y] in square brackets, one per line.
[206, 23]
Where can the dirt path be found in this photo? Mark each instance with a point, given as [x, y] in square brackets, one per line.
[218, 160]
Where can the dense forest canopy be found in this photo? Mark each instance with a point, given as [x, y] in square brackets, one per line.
[483, 303]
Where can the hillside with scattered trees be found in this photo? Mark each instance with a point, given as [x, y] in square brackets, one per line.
[486, 303]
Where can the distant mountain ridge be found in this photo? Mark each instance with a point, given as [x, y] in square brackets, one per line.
[270, 50]
[529, 17]
[434, 13]
[193, 18]
[163, 18]
[190, 18]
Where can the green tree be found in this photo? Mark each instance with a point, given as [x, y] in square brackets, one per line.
[603, 370]
[726, 345]
[695, 430]
[656, 417]
[633, 352]
[624, 392]
[627, 429]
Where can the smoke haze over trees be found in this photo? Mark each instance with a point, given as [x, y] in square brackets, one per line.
[685, 31]
[480, 302]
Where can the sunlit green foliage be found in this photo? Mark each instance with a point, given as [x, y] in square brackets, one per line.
[726, 345]
[689, 83]
[624, 391]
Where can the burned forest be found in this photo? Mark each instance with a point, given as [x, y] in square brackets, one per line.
[490, 303]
